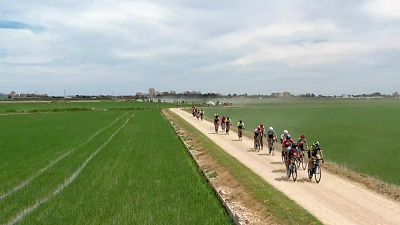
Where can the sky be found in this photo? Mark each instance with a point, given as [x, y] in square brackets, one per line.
[225, 46]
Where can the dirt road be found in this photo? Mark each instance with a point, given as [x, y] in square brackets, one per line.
[333, 201]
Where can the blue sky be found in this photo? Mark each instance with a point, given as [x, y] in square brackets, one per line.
[226, 46]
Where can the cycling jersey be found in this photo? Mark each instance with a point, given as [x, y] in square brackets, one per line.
[314, 150]
[271, 134]
[301, 143]
[240, 125]
[287, 143]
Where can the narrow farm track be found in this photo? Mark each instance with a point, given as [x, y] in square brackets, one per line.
[333, 201]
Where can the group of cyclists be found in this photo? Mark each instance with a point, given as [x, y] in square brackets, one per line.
[291, 150]
[198, 113]
[224, 122]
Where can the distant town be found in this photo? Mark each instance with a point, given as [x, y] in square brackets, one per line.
[154, 95]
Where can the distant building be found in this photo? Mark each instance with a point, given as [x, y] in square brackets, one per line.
[152, 92]
[284, 94]
[139, 94]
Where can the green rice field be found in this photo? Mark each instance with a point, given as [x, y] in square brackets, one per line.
[358, 134]
[99, 167]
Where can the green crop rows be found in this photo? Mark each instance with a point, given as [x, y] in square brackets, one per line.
[114, 167]
[359, 134]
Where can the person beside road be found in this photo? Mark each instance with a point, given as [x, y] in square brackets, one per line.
[201, 114]
[241, 127]
[227, 125]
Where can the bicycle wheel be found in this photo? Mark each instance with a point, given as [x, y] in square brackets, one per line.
[298, 163]
[283, 157]
[294, 173]
[310, 173]
[303, 164]
[317, 173]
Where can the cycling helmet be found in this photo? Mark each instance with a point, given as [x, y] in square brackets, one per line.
[270, 128]
[302, 136]
[316, 143]
[285, 131]
[288, 137]
[240, 121]
[261, 125]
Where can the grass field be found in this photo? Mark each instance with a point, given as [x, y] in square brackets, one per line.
[56, 106]
[359, 134]
[94, 167]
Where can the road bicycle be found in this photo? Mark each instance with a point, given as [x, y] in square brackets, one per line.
[301, 160]
[315, 170]
[271, 146]
[257, 144]
[292, 169]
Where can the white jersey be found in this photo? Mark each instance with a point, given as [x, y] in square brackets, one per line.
[284, 136]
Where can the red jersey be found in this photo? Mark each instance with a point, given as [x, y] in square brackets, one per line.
[287, 143]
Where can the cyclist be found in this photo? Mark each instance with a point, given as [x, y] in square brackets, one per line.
[201, 114]
[194, 111]
[216, 122]
[292, 152]
[286, 146]
[302, 144]
[228, 125]
[271, 137]
[223, 123]
[261, 128]
[240, 127]
[257, 134]
[284, 135]
[314, 152]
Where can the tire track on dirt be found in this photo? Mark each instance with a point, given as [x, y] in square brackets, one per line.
[20, 216]
[54, 162]
[334, 200]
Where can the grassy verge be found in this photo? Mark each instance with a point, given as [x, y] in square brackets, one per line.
[276, 204]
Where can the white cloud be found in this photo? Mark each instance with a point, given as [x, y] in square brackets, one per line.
[277, 33]
[185, 41]
[383, 9]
